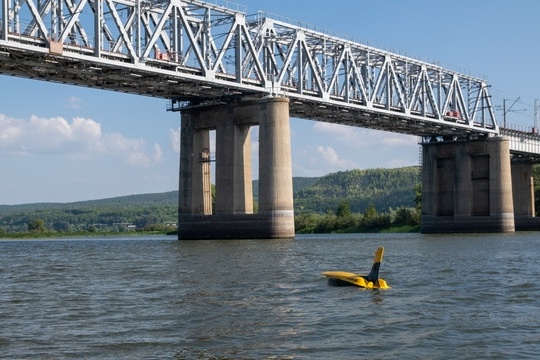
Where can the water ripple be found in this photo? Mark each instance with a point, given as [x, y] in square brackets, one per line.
[467, 297]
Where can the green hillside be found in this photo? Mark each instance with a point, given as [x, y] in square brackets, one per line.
[355, 200]
[382, 188]
[299, 184]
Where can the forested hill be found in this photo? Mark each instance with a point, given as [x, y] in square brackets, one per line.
[355, 186]
[382, 188]
[143, 200]
[144, 211]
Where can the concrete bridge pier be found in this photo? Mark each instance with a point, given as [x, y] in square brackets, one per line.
[467, 187]
[523, 190]
[233, 216]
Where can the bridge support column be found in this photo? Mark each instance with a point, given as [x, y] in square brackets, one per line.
[467, 187]
[233, 168]
[234, 217]
[194, 183]
[523, 192]
[275, 169]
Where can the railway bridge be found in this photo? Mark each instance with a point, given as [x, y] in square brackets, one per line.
[226, 71]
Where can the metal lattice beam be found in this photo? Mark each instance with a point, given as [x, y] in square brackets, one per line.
[189, 50]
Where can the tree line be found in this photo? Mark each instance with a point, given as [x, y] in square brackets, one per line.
[343, 220]
[348, 201]
[90, 219]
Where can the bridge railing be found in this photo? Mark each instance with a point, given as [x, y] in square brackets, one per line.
[523, 140]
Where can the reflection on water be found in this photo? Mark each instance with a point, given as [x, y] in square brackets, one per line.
[464, 296]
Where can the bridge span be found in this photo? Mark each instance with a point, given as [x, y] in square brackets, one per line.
[226, 70]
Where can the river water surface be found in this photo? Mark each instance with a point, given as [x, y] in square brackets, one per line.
[452, 297]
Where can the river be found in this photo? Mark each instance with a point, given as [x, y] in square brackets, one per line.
[473, 296]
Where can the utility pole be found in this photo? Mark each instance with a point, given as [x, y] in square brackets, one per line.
[536, 114]
[504, 113]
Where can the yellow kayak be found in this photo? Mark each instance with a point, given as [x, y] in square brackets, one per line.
[371, 281]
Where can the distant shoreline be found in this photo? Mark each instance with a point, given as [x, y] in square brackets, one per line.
[89, 234]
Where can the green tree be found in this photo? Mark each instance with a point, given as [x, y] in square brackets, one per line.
[418, 197]
[327, 224]
[62, 226]
[369, 216]
[405, 216]
[343, 210]
[348, 223]
[306, 223]
[146, 221]
[36, 225]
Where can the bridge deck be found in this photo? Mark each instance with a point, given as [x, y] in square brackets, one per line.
[524, 145]
[196, 52]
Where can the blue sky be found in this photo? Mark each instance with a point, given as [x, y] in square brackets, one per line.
[61, 143]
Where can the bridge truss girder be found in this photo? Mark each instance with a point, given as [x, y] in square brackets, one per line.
[189, 50]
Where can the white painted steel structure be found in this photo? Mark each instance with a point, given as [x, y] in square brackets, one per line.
[524, 143]
[198, 52]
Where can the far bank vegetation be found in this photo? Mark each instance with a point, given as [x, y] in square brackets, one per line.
[370, 200]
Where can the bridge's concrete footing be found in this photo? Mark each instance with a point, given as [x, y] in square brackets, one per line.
[523, 192]
[467, 187]
[233, 217]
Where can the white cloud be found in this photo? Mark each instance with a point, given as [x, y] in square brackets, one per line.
[174, 136]
[359, 138]
[341, 147]
[333, 161]
[157, 156]
[349, 136]
[79, 139]
[74, 102]
[397, 140]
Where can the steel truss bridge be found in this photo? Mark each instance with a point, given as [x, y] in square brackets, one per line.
[195, 52]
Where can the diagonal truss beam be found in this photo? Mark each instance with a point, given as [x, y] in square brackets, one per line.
[191, 42]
